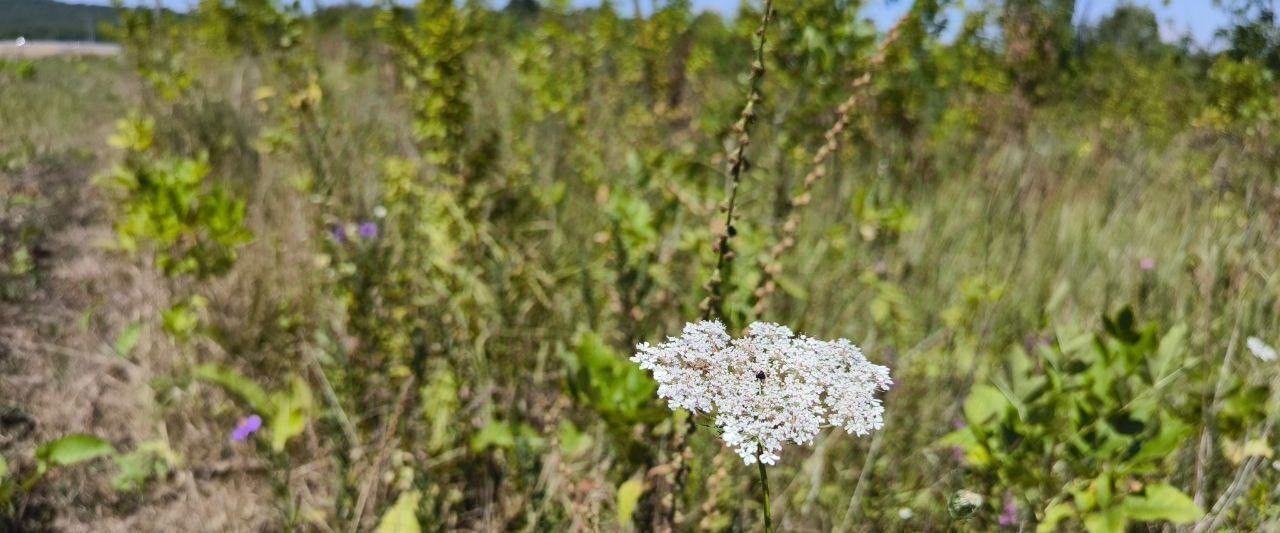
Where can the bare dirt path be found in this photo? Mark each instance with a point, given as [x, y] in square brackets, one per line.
[61, 312]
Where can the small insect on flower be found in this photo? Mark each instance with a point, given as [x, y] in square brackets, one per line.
[247, 426]
[768, 387]
[1260, 349]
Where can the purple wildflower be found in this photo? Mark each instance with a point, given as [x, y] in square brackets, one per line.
[338, 232]
[246, 427]
[1147, 263]
[1009, 517]
[368, 230]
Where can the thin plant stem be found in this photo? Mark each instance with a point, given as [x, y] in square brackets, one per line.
[724, 256]
[764, 491]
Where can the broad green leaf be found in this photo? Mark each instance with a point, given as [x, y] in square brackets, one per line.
[402, 517]
[529, 438]
[1170, 350]
[1162, 502]
[180, 321]
[964, 439]
[1101, 486]
[151, 460]
[628, 496]
[495, 434]
[1172, 433]
[1055, 514]
[4, 469]
[984, 403]
[1110, 521]
[236, 384]
[128, 339]
[73, 449]
[289, 419]
[1236, 451]
[1072, 343]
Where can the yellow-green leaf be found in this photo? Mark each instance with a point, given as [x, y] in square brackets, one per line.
[1055, 514]
[984, 403]
[402, 516]
[236, 384]
[1110, 521]
[73, 449]
[128, 339]
[628, 496]
[289, 419]
[1162, 502]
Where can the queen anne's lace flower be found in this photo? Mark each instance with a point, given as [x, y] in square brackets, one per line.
[768, 387]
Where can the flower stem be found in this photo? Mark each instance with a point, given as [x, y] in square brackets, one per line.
[764, 491]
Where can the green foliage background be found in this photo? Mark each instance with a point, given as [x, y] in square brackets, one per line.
[421, 244]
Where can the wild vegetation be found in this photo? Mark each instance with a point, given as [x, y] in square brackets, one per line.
[387, 268]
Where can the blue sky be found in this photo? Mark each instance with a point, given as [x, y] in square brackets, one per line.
[1198, 18]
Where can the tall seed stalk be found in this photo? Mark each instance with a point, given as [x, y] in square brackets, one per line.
[772, 267]
[713, 304]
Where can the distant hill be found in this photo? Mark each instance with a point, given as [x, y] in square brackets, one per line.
[45, 19]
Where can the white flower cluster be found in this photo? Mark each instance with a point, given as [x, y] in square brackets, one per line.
[769, 386]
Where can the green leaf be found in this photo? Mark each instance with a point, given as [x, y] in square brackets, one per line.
[1055, 514]
[1162, 502]
[1172, 433]
[128, 339]
[1110, 521]
[964, 439]
[151, 460]
[628, 496]
[289, 418]
[4, 469]
[1171, 347]
[402, 516]
[984, 403]
[236, 384]
[572, 441]
[495, 434]
[440, 402]
[611, 385]
[73, 449]
[180, 321]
